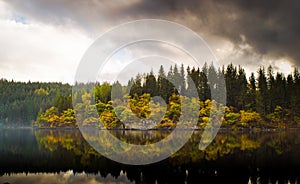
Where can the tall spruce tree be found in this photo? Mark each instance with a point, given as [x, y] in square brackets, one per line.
[182, 81]
[150, 85]
[262, 99]
[252, 93]
[231, 85]
[242, 83]
[271, 90]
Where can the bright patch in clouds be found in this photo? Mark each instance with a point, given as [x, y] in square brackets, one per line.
[243, 55]
[45, 40]
[39, 52]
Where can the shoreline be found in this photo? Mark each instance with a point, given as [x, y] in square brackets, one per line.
[161, 129]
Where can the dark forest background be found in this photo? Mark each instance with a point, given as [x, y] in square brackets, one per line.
[274, 96]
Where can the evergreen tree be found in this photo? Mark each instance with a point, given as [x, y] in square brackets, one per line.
[295, 98]
[136, 88]
[275, 97]
[231, 85]
[103, 92]
[212, 77]
[271, 90]
[163, 85]
[252, 93]
[189, 82]
[280, 91]
[242, 83]
[129, 85]
[150, 85]
[195, 76]
[262, 99]
[289, 91]
[182, 81]
[205, 88]
[221, 87]
[176, 78]
[116, 92]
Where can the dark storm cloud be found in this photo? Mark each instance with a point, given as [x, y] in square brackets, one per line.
[271, 27]
[89, 15]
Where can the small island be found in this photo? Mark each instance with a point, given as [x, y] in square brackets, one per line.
[264, 101]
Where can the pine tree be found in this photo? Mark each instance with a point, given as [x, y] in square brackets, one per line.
[221, 87]
[176, 78]
[213, 82]
[182, 81]
[262, 99]
[271, 90]
[252, 93]
[280, 91]
[289, 91]
[116, 92]
[163, 84]
[231, 85]
[243, 88]
[150, 84]
[195, 82]
[137, 86]
[295, 98]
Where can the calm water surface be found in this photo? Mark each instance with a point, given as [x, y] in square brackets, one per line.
[63, 156]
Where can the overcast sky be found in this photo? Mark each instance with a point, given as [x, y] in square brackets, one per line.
[44, 40]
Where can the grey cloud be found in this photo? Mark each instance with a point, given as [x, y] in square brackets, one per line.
[271, 27]
[88, 15]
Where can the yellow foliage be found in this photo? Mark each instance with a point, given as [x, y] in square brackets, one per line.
[53, 119]
[247, 144]
[249, 118]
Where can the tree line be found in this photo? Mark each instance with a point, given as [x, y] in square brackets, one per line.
[262, 93]
[265, 99]
[20, 102]
[274, 96]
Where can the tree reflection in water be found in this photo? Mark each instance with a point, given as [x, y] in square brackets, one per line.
[233, 157]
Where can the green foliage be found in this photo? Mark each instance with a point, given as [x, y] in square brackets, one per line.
[139, 105]
[41, 92]
[232, 119]
[279, 117]
[250, 119]
[109, 118]
[68, 118]
[174, 108]
[268, 100]
[116, 92]
[52, 118]
[103, 92]
[20, 102]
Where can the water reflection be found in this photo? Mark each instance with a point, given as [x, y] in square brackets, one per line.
[140, 137]
[261, 157]
[63, 177]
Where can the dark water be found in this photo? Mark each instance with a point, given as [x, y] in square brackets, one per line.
[63, 156]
